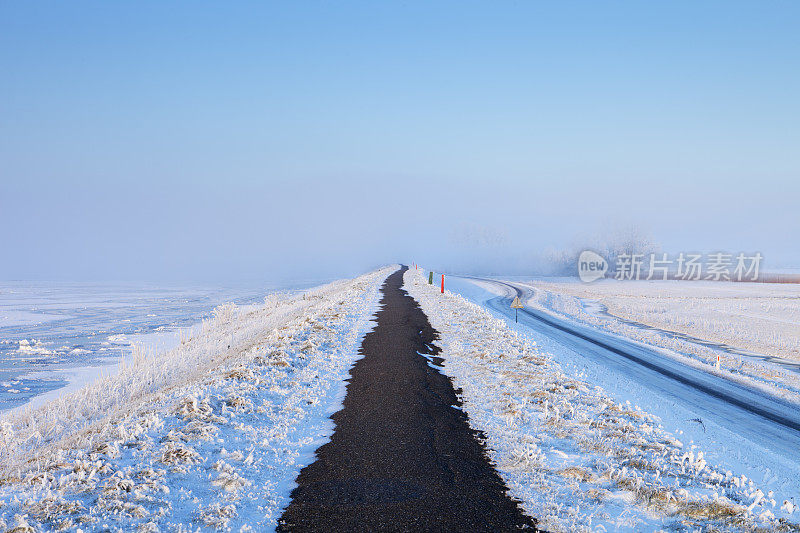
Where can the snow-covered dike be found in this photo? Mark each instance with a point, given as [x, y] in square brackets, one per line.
[577, 459]
[212, 433]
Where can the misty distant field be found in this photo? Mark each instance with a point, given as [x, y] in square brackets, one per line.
[759, 317]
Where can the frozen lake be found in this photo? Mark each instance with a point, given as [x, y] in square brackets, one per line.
[55, 336]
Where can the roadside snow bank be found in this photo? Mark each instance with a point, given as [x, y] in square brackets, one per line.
[665, 310]
[212, 433]
[574, 458]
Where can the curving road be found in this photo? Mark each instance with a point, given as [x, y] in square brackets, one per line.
[766, 422]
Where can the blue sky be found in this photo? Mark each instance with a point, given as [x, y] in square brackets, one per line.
[262, 140]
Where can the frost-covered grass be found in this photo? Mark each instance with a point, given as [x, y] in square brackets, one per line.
[211, 433]
[574, 457]
[762, 318]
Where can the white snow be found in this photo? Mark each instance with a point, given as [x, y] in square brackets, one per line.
[212, 433]
[760, 317]
[712, 311]
[62, 332]
[32, 347]
[14, 317]
[578, 458]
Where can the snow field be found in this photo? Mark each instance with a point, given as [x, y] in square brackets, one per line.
[577, 460]
[714, 311]
[761, 317]
[210, 434]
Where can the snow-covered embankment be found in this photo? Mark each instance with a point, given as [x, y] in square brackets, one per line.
[575, 458]
[211, 433]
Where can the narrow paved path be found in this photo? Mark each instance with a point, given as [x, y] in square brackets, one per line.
[402, 457]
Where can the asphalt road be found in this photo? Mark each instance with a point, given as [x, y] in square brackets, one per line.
[772, 423]
[402, 457]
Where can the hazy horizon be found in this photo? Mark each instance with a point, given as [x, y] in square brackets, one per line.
[264, 142]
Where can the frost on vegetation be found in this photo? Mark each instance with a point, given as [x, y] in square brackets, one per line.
[172, 454]
[575, 458]
[759, 317]
[228, 478]
[211, 434]
[218, 516]
[225, 312]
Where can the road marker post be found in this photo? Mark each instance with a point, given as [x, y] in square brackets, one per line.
[717, 361]
[516, 305]
[442, 283]
[430, 278]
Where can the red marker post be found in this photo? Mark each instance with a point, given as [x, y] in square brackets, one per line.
[442, 283]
